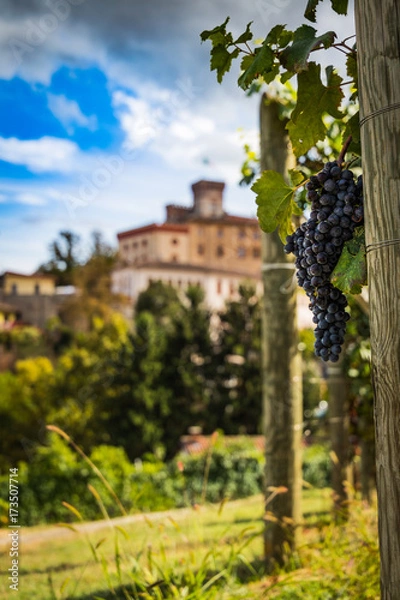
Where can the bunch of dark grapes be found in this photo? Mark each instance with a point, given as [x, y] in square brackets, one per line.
[336, 210]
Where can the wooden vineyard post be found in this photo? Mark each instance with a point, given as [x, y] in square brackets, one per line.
[378, 44]
[281, 364]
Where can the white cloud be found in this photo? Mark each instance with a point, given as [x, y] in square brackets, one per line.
[69, 113]
[30, 199]
[138, 119]
[46, 154]
[186, 135]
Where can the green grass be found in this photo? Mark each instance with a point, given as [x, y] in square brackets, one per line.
[189, 550]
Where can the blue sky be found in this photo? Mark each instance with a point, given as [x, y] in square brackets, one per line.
[109, 112]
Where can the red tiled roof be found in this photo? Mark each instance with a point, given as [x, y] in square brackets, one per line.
[175, 228]
[224, 219]
[171, 266]
[36, 275]
[238, 219]
[196, 444]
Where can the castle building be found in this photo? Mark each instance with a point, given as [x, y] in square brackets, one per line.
[198, 245]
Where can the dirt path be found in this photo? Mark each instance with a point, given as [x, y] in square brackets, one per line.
[28, 535]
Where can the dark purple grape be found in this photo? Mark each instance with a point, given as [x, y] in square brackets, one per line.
[335, 171]
[349, 198]
[358, 214]
[324, 353]
[330, 318]
[335, 294]
[333, 219]
[322, 258]
[327, 200]
[333, 308]
[345, 222]
[323, 227]
[316, 281]
[336, 231]
[346, 174]
[336, 338]
[348, 210]
[318, 247]
[315, 269]
[322, 177]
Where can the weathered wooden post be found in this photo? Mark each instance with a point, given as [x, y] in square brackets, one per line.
[339, 434]
[281, 362]
[378, 44]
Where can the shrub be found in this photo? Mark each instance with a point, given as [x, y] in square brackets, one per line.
[117, 471]
[57, 474]
[317, 466]
[155, 487]
[53, 475]
[234, 471]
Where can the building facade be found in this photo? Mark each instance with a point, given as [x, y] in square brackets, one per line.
[201, 244]
[32, 296]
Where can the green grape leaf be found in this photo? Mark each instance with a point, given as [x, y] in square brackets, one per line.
[246, 35]
[279, 35]
[310, 11]
[294, 57]
[261, 63]
[351, 67]
[353, 129]
[306, 126]
[221, 60]
[340, 6]
[218, 36]
[350, 273]
[352, 72]
[275, 200]
[296, 177]
[272, 74]
[286, 76]
[285, 38]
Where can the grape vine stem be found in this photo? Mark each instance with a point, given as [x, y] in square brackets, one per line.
[344, 150]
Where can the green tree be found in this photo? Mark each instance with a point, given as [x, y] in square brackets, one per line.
[187, 361]
[236, 401]
[160, 374]
[135, 411]
[93, 282]
[25, 403]
[84, 381]
[64, 258]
